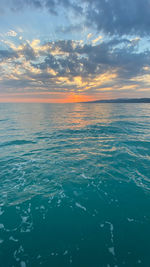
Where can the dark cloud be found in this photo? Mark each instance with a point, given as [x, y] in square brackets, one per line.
[113, 17]
[119, 16]
[51, 5]
[6, 54]
[75, 59]
[27, 51]
[62, 61]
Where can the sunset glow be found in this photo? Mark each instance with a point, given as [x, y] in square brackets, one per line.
[60, 98]
[80, 51]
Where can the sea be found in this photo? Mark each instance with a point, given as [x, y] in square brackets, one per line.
[75, 185]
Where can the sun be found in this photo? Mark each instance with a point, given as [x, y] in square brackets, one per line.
[74, 98]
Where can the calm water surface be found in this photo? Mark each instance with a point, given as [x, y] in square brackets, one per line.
[74, 185]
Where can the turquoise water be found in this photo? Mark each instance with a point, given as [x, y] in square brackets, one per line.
[74, 185]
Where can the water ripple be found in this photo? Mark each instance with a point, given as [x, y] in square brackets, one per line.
[73, 180]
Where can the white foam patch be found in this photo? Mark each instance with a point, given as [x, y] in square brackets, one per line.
[24, 219]
[42, 207]
[22, 264]
[65, 253]
[112, 251]
[86, 177]
[1, 241]
[28, 230]
[59, 201]
[80, 206]
[70, 260]
[130, 220]
[13, 239]
[39, 256]
[1, 226]
[29, 209]
[21, 249]
[54, 254]
[1, 211]
[17, 254]
[111, 231]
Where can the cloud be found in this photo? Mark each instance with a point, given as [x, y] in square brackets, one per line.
[89, 36]
[7, 54]
[11, 33]
[27, 51]
[113, 17]
[72, 28]
[113, 54]
[118, 16]
[52, 6]
[72, 66]
[97, 39]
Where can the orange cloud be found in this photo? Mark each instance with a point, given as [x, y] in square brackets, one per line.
[97, 39]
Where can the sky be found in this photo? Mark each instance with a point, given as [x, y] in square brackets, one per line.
[59, 51]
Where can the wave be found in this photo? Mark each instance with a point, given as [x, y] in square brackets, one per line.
[17, 143]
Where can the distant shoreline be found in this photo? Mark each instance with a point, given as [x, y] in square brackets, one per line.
[121, 100]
